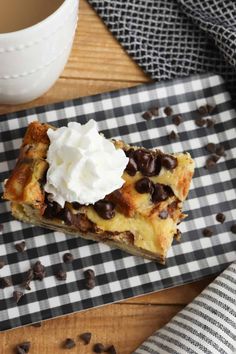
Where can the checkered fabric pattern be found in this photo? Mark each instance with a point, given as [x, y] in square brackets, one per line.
[176, 38]
[118, 274]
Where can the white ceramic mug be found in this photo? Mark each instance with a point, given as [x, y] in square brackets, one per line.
[32, 59]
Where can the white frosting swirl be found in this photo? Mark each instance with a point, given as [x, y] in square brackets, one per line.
[83, 166]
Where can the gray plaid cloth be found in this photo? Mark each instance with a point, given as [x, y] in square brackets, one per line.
[175, 38]
[206, 326]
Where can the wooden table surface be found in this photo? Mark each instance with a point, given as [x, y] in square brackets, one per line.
[98, 64]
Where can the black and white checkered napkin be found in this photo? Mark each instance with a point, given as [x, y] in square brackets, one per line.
[176, 38]
[206, 326]
[120, 275]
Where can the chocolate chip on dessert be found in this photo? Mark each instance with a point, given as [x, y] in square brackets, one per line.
[17, 295]
[144, 185]
[177, 119]
[111, 350]
[2, 264]
[147, 115]
[200, 122]
[155, 111]
[145, 162]
[69, 343]
[210, 123]
[23, 348]
[5, 282]
[68, 257]
[86, 337]
[220, 151]
[39, 271]
[158, 165]
[169, 162]
[52, 210]
[173, 135]
[233, 228]
[105, 209]
[66, 215]
[168, 111]
[89, 279]
[20, 247]
[131, 167]
[220, 217]
[211, 161]
[98, 348]
[37, 324]
[28, 278]
[76, 205]
[207, 232]
[159, 193]
[61, 275]
[203, 110]
[211, 147]
[163, 214]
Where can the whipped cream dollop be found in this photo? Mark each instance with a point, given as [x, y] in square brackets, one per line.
[83, 165]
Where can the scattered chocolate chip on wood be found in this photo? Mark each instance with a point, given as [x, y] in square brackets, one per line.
[39, 271]
[23, 348]
[147, 115]
[69, 343]
[168, 111]
[17, 295]
[27, 280]
[61, 275]
[220, 150]
[86, 337]
[200, 122]
[5, 282]
[177, 119]
[37, 324]
[98, 348]
[207, 232]
[111, 350]
[210, 123]
[89, 279]
[20, 247]
[203, 110]
[155, 111]
[68, 257]
[233, 228]
[220, 217]
[173, 135]
[211, 147]
[2, 264]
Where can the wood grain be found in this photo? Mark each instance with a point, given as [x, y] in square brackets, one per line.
[97, 64]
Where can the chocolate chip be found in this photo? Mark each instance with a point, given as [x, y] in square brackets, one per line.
[211, 147]
[37, 324]
[200, 122]
[220, 150]
[233, 228]
[203, 110]
[25, 347]
[86, 337]
[211, 161]
[210, 123]
[76, 205]
[89, 279]
[111, 350]
[173, 135]
[20, 247]
[5, 282]
[169, 162]
[158, 165]
[52, 210]
[131, 167]
[220, 217]
[207, 232]
[147, 115]
[19, 350]
[69, 343]
[28, 278]
[145, 162]
[155, 111]
[210, 108]
[168, 111]
[98, 348]
[144, 185]
[2, 264]
[39, 271]
[68, 257]
[159, 193]
[163, 214]
[61, 275]
[89, 273]
[66, 215]
[105, 209]
[17, 295]
[177, 119]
